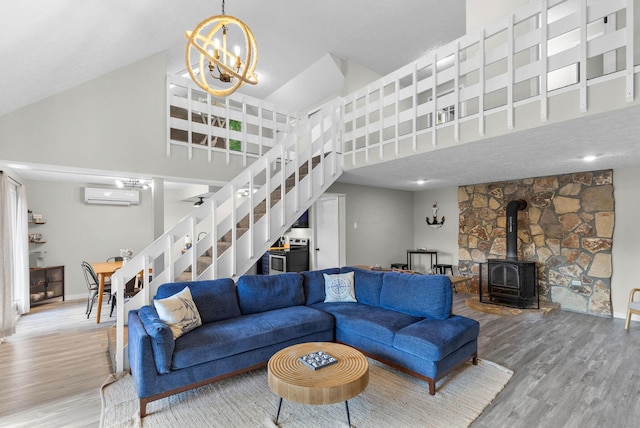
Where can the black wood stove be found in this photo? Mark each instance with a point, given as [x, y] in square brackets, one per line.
[512, 282]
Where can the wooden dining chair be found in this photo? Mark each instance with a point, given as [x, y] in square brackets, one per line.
[633, 307]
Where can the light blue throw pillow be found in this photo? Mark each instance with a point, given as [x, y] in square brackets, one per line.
[179, 312]
[339, 288]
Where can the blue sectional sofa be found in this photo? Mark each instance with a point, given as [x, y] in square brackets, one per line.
[400, 319]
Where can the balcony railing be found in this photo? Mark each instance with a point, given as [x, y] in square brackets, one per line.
[543, 49]
[233, 126]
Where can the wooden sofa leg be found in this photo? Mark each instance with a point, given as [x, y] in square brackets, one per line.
[475, 359]
[143, 408]
[432, 386]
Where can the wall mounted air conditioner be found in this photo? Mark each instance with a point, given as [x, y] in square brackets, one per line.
[93, 195]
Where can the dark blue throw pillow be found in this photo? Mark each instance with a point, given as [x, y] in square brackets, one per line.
[368, 284]
[313, 283]
[427, 296]
[215, 299]
[261, 293]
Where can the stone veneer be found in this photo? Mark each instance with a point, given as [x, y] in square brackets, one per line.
[567, 228]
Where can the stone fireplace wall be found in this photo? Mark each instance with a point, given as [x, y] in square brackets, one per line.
[567, 228]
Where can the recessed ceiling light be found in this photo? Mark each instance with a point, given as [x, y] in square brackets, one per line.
[589, 158]
[421, 181]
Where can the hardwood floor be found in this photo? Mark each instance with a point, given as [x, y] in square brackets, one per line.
[52, 368]
[571, 370]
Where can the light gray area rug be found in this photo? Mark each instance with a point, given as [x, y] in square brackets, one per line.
[392, 399]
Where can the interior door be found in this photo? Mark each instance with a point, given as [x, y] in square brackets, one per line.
[329, 233]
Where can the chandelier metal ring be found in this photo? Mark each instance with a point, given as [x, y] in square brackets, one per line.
[213, 56]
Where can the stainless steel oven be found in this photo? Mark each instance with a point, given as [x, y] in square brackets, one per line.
[294, 259]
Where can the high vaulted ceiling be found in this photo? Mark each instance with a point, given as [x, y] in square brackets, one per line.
[48, 46]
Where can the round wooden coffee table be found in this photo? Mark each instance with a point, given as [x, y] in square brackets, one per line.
[291, 379]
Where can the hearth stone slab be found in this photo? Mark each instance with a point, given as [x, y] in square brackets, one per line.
[546, 309]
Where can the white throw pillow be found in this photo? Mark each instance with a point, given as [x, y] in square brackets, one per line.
[339, 288]
[179, 312]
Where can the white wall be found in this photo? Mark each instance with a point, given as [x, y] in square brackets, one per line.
[379, 224]
[481, 13]
[116, 122]
[175, 209]
[626, 238]
[76, 231]
[444, 239]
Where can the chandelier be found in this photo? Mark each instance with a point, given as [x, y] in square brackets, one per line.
[211, 43]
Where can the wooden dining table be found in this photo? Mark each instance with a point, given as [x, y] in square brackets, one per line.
[104, 270]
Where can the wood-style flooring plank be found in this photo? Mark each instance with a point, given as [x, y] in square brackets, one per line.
[571, 370]
[53, 366]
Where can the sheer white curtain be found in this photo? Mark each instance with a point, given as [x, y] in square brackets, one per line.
[14, 257]
[7, 311]
[21, 261]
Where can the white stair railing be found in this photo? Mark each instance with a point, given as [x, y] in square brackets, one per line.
[233, 229]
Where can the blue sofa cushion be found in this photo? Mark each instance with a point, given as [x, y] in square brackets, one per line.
[313, 284]
[368, 284]
[215, 299]
[161, 336]
[435, 339]
[426, 296]
[373, 322]
[261, 293]
[234, 336]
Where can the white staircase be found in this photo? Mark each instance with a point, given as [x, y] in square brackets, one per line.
[241, 221]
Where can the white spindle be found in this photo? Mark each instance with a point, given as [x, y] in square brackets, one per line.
[190, 124]
[209, 129]
[481, 84]
[456, 89]
[227, 111]
[381, 119]
[544, 98]
[214, 237]
[167, 109]
[582, 74]
[510, 72]
[244, 134]
[260, 132]
[630, 33]
[434, 97]
[414, 120]
[397, 115]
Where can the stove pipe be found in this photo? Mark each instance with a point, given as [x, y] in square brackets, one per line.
[512, 227]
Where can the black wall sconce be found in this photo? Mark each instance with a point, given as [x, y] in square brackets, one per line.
[435, 224]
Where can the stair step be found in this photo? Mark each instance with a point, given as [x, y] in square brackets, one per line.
[259, 211]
